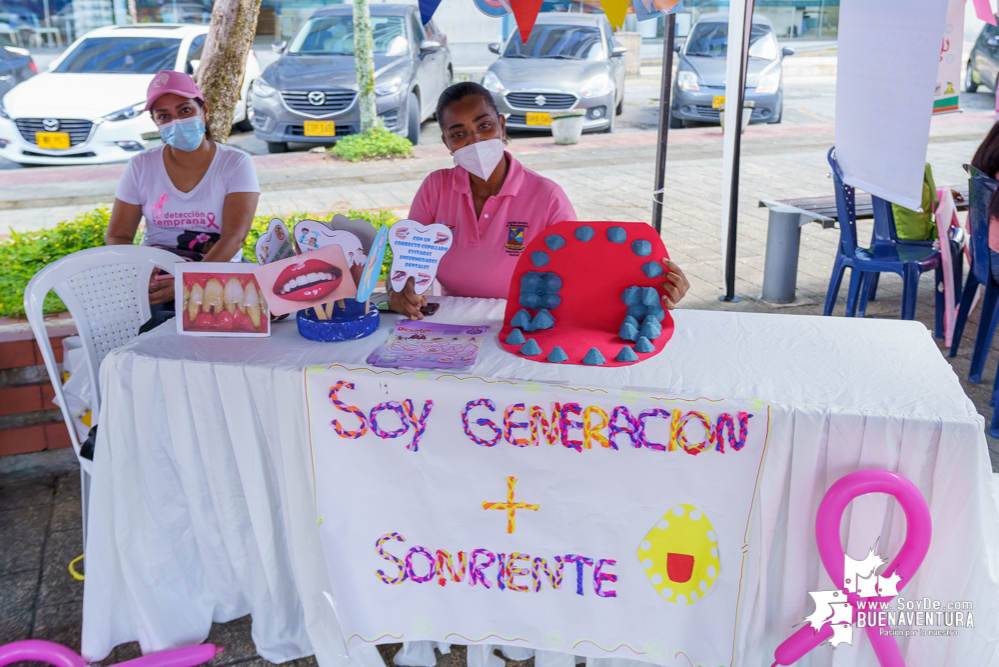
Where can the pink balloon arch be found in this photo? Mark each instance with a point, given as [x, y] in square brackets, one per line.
[58, 655]
[905, 564]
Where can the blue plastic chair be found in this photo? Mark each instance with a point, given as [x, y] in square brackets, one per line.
[908, 261]
[981, 188]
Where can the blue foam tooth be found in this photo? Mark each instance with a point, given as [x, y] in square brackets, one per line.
[656, 312]
[628, 319]
[636, 312]
[626, 354]
[531, 280]
[644, 345]
[617, 235]
[551, 282]
[531, 348]
[558, 355]
[516, 337]
[522, 320]
[649, 331]
[543, 320]
[649, 296]
[641, 247]
[584, 233]
[628, 331]
[554, 242]
[530, 300]
[539, 258]
[652, 269]
[652, 323]
[594, 358]
[632, 296]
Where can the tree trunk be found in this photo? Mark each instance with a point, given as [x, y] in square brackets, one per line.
[223, 61]
[364, 64]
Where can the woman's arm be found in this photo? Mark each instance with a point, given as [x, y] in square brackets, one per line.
[237, 215]
[123, 224]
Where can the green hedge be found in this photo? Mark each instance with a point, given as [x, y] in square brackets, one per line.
[375, 144]
[22, 255]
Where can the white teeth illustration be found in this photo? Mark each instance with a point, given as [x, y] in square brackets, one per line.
[307, 280]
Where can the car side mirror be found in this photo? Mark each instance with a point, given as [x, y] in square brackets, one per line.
[430, 46]
[787, 51]
[494, 48]
[618, 51]
[992, 41]
[279, 47]
[677, 47]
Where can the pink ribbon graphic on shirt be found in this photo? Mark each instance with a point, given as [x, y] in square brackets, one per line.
[211, 220]
[909, 558]
[157, 209]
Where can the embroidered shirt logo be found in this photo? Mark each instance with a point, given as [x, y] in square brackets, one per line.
[515, 238]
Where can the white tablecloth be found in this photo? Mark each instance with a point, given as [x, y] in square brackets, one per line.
[201, 508]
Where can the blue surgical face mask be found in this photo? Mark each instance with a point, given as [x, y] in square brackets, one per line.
[185, 134]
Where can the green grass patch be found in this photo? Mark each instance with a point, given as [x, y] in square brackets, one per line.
[22, 255]
[372, 145]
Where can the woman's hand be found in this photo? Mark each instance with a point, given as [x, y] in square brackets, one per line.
[408, 302]
[160, 288]
[676, 284]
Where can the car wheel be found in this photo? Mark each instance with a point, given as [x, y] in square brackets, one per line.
[450, 75]
[675, 123]
[246, 125]
[620, 107]
[610, 127]
[969, 79]
[277, 147]
[413, 125]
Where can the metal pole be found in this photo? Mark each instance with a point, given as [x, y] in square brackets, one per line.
[733, 213]
[664, 105]
[822, 6]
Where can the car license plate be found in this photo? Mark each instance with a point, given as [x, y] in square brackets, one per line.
[717, 101]
[52, 139]
[320, 128]
[539, 118]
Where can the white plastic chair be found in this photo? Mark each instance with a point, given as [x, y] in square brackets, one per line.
[106, 290]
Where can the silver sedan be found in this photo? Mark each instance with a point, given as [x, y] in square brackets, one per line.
[570, 61]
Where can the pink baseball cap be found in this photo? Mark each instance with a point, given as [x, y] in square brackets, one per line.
[169, 81]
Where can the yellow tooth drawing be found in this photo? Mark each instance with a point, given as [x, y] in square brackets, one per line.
[213, 296]
[251, 303]
[233, 294]
[680, 555]
[194, 306]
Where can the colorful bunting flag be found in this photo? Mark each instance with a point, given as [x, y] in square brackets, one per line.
[983, 10]
[616, 11]
[427, 9]
[526, 13]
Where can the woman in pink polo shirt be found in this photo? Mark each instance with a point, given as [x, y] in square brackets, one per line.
[493, 204]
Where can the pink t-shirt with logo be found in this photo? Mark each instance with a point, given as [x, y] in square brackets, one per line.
[187, 221]
[485, 251]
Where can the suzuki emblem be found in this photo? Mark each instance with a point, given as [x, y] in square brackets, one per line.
[540, 100]
[50, 124]
[317, 98]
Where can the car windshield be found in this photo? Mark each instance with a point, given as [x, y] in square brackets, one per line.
[334, 36]
[121, 55]
[711, 40]
[558, 41]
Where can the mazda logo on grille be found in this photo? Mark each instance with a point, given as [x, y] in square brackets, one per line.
[540, 100]
[317, 98]
[50, 124]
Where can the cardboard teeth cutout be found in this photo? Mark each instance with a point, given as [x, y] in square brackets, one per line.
[417, 252]
[589, 293]
[311, 235]
[275, 244]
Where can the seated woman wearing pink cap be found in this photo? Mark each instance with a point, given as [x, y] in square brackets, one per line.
[198, 197]
[493, 204]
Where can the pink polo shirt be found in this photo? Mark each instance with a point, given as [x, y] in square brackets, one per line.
[485, 251]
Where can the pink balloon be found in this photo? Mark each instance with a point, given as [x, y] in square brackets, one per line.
[910, 556]
[60, 656]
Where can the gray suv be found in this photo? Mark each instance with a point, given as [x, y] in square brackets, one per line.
[310, 94]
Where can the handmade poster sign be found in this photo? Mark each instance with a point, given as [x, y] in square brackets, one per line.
[373, 267]
[416, 252]
[311, 235]
[275, 244]
[307, 280]
[219, 299]
[560, 311]
[430, 345]
[598, 523]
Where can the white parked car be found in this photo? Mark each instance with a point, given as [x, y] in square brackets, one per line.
[88, 107]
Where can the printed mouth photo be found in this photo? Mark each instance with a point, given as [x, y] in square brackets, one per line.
[399, 275]
[402, 233]
[442, 238]
[308, 280]
[423, 279]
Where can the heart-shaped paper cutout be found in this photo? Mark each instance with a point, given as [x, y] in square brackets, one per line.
[373, 267]
[417, 252]
[275, 244]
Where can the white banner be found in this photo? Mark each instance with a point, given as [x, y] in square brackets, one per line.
[591, 521]
[947, 95]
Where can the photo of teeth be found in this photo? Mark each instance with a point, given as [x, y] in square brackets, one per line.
[309, 280]
[222, 304]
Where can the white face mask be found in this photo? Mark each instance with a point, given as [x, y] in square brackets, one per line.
[480, 158]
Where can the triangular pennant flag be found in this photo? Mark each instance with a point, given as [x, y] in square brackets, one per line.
[616, 10]
[645, 14]
[427, 9]
[666, 5]
[983, 10]
[526, 13]
[647, 4]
